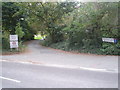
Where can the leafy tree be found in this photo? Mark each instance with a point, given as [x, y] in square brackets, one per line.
[90, 20]
[19, 31]
[8, 21]
[49, 18]
[5, 40]
[75, 25]
[12, 13]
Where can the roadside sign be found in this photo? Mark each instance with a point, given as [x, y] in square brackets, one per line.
[14, 44]
[113, 40]
[13, 41]
[13, 37]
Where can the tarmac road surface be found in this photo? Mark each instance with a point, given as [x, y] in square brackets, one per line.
[25, 75]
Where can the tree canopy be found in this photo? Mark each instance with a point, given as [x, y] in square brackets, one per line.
[73, 25]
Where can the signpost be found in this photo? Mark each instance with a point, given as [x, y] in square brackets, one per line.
[14, 41]
[113, 40]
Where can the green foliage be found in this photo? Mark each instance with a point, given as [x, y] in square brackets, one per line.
[14, 13]
[19, 31]
[8, 21]
[61, 45]
[86, 26]
[5, 43]
[47, 41]
[48, 17]
[5, 40]
[66, 25]
[111, 49]
[21, 46]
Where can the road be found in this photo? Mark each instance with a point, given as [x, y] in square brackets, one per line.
[24, 75]
[43, 55]
[44, 67]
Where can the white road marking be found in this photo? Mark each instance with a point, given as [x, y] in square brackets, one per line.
[93, 69]
[66, 66]
[78, 67]
[10, 79]
[2, 60]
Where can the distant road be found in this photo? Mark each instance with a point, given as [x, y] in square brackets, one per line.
[23, 75]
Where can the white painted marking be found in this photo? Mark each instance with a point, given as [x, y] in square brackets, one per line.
[10, 79]
[85, 68]
[2, 60]
[67, 66]
[93, 69]
[25, 62]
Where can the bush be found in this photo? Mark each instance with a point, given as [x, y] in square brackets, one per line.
[75, 39]
[47, 41]
[60, 45]
[21, 46]
[5, 44]
[112, 49]
[19, 31]
[87, 43]
[5, 40]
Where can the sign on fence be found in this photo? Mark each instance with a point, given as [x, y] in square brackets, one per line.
[13, 41]
[113, 40]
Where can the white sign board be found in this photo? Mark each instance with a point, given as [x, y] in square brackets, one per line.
[108, 40]
[13, 37]
[14, 44]
[13, 41]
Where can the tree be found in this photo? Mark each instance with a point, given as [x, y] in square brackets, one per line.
[13, 13]
[19, 31]
[47, 17]
[93, 21]
[8, 21]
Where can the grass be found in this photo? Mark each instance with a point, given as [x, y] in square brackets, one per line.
[21, 49]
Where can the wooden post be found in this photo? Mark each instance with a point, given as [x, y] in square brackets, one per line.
[11, 49]
[17, 49]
